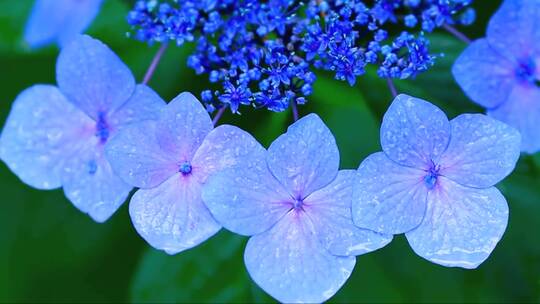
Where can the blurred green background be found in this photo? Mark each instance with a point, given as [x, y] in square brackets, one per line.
[51, 252]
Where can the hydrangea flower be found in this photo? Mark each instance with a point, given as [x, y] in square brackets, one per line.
[502, 71]
[434, 182]
[295, 204]
[267, 51]
[170, 160]
[55, 136]
[59, 20]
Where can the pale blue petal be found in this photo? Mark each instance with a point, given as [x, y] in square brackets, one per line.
[485, 76]
[136, 156]
[247, 199]
[224, 147]
[514, 30]
[79, 18]
[172, 216]
[290, 263]
[93, 77]
[306, 158]
[522, 111]
[414, 132]
[387, 197]
[90, 184]
[330, 211]
[183, 125]
[59, 20]
[144, 104]
[40, 133]
[482, 151]
[462, 225]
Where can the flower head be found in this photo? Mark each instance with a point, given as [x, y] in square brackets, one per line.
[502, 71]
[170, 159]
[59, 21]
[434, 182]
[295, 204]
[55, 136]
[273, 47]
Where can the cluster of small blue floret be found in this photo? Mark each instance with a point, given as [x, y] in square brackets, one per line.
[264, 53]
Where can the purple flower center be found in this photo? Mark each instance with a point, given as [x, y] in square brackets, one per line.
[185, 168]
[430, 179]
[102, 128]
[526, 72]
[298, 203]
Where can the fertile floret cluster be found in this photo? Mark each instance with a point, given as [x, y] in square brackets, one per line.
[264, 52]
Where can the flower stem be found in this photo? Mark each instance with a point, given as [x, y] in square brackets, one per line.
[154, 63]
[294, 111]
[391, 86]
[459, 35]
[218, 115]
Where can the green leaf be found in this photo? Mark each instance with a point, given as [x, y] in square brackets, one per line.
[344, 109]
[211, 273]
[13, 16]
[52, 252]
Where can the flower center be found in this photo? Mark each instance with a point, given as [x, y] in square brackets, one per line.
[430, 179]
[526, 72]
[185, 168]
[102, 128]
[298, 203]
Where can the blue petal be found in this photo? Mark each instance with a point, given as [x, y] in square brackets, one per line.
[290, 263]
[330, 210]
[514, 30]
[172, 216]
[59, 20]
[143, 105]
[484, 75]
[387, 197]
[226, 146]
[40, 133]
[136, 156]
[93, 77]
[306, 158]
[482, 151]
[522, 111]
[183, 125]
[462, 225]
[414, 132]
[247, 199]
[90, 184]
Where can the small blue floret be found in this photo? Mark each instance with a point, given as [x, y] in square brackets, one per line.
[500, 72]
[437, 186]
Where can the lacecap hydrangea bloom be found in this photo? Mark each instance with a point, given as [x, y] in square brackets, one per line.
[434, 181]
[264, 53]
[296, 206]
[59, 21]
[170, 160]
[55, 136]
[502, 71]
